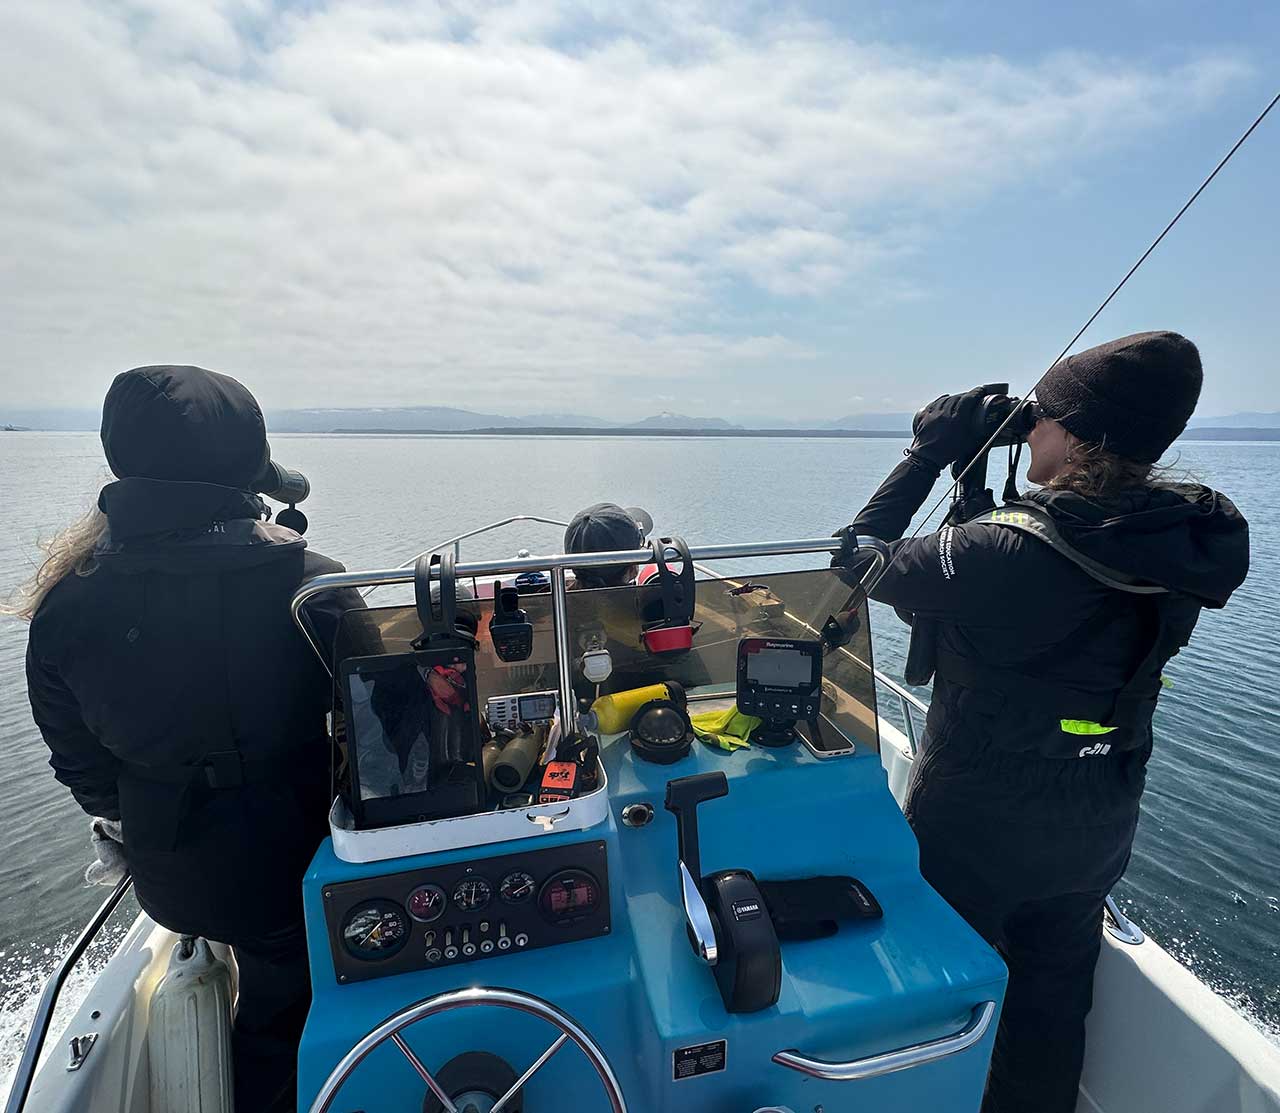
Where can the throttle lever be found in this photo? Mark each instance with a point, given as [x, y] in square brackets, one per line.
[684, 794]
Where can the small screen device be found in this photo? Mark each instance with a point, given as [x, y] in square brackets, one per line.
[508, 712]
[413, 737]
[510, 628]
[824, 743]
[559, 782]
[779, 681]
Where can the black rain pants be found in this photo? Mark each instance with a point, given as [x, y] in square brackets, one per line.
[1030, 881]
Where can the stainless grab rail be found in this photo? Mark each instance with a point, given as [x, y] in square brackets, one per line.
[1119, 926]
[25, 1072]
[907, 702]
[904, 1058]
[457, 540]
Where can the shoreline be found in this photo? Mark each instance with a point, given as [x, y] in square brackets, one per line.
[1208, 433]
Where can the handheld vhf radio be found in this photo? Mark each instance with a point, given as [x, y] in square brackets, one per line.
[510, 628]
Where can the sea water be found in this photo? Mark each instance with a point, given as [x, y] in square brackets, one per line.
[1205, 876]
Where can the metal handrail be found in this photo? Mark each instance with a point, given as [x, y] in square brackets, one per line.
[904, 1058]
[507, 566]
[557, 564]
[25, 1073]
[908, 702]
[1119, 926]
[457, 541]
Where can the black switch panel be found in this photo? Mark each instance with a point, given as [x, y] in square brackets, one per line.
[484, 908]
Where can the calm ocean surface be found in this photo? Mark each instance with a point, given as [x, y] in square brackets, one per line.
[1205, 877]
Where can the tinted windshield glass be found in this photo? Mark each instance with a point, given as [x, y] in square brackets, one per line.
[778, 605]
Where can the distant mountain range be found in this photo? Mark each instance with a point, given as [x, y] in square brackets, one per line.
[447, 419]
[1250, 420]
[443, 419]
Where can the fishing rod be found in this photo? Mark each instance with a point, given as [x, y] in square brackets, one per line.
[981, 455]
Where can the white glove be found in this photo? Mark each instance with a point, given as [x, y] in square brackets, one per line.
[110, 866]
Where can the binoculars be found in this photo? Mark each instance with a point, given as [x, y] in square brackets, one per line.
[992, 413]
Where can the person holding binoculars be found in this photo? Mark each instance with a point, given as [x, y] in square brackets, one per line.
[181, 705]
[1046, 624]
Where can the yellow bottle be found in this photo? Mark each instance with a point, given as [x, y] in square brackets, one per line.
[613, 712]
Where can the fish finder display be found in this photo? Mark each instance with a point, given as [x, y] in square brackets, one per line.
[780, 681]
[780, 668]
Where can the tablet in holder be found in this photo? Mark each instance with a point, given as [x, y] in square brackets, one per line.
[413, 737]
[413, 720]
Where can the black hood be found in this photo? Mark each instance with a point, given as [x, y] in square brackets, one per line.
[184, 424]
[187, 526]
[1186, 537]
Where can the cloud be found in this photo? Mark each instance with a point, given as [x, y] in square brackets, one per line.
[501, 204]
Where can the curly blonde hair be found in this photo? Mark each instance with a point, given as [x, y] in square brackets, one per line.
[1093, 470]
[71, 552]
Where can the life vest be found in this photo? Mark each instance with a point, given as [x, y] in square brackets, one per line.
[1090, 723]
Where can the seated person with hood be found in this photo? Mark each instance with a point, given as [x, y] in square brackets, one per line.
[181, 704]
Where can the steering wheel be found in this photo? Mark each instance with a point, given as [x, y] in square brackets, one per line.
[476, 997]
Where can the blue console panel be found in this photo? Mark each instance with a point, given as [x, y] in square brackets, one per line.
[627, 974]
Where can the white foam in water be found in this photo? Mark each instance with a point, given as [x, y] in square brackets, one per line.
[23, 974]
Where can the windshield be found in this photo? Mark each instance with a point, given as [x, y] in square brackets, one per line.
[729, 608]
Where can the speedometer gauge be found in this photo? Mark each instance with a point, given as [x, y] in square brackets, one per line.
[375, 930]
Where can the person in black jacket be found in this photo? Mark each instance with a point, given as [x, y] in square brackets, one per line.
[178, 697]
[1049, 623]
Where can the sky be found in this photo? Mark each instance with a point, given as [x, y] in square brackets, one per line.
[722, 209]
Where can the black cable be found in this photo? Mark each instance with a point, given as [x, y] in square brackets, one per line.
[955, 483]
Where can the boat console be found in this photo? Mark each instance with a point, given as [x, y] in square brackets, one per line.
[720, 928]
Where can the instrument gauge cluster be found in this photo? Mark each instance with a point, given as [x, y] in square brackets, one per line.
[471, 910]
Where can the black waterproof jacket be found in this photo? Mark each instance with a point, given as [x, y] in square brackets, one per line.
[180, 645]
[1005, 601]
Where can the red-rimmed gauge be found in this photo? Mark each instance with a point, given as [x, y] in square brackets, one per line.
[569, 896]
[427, 903]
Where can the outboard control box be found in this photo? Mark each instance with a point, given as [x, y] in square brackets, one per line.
[728, 922]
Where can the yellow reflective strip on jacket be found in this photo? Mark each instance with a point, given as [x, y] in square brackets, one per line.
[1083, 726]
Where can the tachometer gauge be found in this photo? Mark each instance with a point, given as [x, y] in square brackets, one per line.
[472, 894]
[516, 888]
[427, 903]
[375, 930]
[569, 896]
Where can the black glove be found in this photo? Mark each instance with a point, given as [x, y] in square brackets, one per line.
[848, 553]
[947, 429]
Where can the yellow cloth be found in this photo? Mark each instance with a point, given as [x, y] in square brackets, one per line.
[728, 728]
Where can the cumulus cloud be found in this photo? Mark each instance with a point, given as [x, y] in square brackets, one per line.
[511, 205]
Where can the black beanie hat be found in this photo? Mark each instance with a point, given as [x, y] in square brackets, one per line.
[1135, 394]
[184, 424]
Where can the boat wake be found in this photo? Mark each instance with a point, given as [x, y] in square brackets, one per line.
[23, 974]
